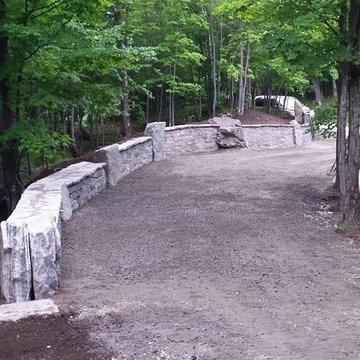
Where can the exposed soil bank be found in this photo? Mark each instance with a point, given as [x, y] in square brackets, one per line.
[255, 117]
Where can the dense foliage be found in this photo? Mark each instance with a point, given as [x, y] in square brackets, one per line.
[325, 123]
[76, 74]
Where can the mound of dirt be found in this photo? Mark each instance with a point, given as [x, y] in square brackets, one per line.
[253, 117]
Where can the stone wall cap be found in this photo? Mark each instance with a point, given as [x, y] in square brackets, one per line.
[193, 126]
[41, 201]
[156, 123]
[70, 175]
[23, 310]
[108, 147]
[133, 142]
[36, 208]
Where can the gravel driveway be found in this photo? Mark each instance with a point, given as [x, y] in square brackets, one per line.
[214, 256]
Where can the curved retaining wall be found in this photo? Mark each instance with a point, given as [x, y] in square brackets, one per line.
[30, 249]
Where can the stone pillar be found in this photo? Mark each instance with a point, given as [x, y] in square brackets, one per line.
[302, 135]
[298, 141]
[111, 156]
[157, 131]
[30, 249]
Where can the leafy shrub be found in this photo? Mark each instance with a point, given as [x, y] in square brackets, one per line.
[325, 120]
[34, 138]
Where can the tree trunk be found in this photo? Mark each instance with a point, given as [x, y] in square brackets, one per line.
[232, 98]
[72, 124]
[91, 135]
[56, 118]
[334, 86]
[125, 76]
[161, 102]
[147, 105]
[170, 109]
[63, 118]
[348, 153]
[352, 191]
[246, 69]
[350, 201]
[241, 82]
[126, 105]
[284, 104]
[200, 108]
[97, 135]
[81, 132]
[220, 58]
[341, 139]
[254, 96]
[28, 163]
[212, 46]
[249, 92]
[102, 130]
[173, 109]
[73, 148]
[148, 72]
[318, 93]
[172, 97]
[18, 93]
[268, 99]
[9, 155]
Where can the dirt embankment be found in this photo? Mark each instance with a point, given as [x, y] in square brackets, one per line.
[254, 117]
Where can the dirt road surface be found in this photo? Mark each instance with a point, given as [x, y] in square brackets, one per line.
[216, 256]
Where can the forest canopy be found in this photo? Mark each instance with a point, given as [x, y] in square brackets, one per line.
[77, 74]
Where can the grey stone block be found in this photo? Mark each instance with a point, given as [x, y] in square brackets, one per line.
[45, 245]
[16, 276]
[156, 131]
[110, 155]
[231, 137]
[66, 209]
[23, 310]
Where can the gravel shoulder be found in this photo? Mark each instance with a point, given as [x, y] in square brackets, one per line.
[213, 256]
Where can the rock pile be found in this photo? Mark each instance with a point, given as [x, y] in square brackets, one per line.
[230, 133]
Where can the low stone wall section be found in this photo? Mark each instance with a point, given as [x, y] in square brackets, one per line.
[302, 135]
[190, 139]
[31, 236]
[134, 154]
[122, 159]
[276, 136]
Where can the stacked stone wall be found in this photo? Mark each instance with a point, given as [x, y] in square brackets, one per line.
[275, 136]
[30, 247]
[31, 236]
[190, 139]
